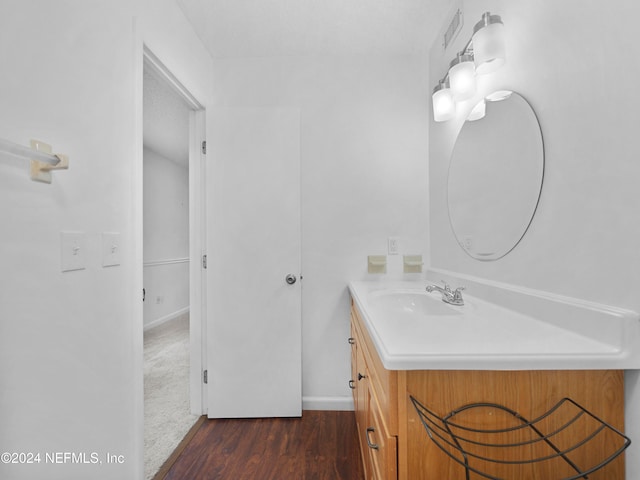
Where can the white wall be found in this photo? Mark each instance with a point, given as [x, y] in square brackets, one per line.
[166, 238]
[570, 60]
[363, 178]
[70, 345]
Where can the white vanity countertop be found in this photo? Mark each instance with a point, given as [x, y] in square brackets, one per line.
[413, 333]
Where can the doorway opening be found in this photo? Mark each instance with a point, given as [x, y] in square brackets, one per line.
[173, 129]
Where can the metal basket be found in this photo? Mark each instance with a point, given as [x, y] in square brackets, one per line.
[567, 438]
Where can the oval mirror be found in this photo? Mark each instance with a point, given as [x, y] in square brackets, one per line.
[495, 177]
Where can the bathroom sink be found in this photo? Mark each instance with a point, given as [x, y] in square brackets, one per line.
[504, 329]
[405, 303]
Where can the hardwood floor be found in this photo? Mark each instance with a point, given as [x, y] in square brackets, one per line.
[318, 446]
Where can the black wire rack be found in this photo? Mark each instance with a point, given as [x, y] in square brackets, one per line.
[568, 439]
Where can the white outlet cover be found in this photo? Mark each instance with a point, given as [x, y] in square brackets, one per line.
[393, 244]
[110, 249]
[73, 253]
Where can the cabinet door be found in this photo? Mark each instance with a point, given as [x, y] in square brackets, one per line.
[353, 383]
[383, 451]
[361, 402]
[362, 389]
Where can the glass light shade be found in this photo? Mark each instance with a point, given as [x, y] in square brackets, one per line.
[498, 95]
[444, 107]
[478, 111]
[489, 51]
[462, 77]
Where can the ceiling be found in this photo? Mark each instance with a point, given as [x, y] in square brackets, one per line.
[166, 119]
[259, 28]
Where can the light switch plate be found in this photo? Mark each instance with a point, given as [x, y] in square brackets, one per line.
[73, 251]
[110, 249]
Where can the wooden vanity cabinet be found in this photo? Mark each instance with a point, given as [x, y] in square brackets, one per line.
[393, 441]
[375, 399]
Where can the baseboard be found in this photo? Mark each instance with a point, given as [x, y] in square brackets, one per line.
[328, 403]
[165, 319]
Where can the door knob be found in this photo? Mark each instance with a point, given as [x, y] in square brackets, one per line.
[290, 279]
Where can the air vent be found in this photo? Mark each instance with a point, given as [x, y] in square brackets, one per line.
[454, 28]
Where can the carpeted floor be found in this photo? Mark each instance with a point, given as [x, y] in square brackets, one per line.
[167, 417]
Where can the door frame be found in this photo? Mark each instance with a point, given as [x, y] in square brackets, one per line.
[197, 226]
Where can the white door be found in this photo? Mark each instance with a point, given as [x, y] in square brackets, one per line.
[253, 245]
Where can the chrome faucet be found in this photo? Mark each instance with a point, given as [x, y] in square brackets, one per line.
[454, 297]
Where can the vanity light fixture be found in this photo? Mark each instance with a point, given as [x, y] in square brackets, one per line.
[498, 95]
[462, 76]
[444, 106]
[488, 44]
[483, 53]
[478, 111]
